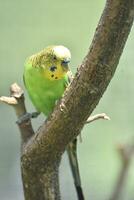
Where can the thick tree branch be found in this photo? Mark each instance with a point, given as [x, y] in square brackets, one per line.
[42, 153]
[85, 91]
[16, 100]
[89, 84]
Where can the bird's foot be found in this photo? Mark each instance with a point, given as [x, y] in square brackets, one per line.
[26, 117]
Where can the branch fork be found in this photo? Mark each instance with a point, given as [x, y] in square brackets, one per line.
[44, 148]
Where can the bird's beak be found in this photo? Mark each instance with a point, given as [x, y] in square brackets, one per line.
[65, 65]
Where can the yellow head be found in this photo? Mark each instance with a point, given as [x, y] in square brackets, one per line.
[52, 61]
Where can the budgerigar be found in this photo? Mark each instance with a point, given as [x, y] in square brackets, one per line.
[46, 76]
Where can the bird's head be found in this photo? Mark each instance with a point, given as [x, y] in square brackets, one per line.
[53, 61]
[62, 56]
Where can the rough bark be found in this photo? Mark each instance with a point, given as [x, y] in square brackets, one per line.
[45, 149]
[42, 153]
[42, 185]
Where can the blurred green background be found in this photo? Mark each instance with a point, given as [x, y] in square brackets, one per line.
[27, 27]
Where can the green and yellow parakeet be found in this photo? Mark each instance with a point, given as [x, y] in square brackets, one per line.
[46, 77]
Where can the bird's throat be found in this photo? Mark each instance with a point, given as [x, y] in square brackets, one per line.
[54, 73]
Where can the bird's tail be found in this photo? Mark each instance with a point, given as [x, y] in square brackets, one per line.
[72, 155]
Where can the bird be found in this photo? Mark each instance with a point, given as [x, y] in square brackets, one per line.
[46, 76]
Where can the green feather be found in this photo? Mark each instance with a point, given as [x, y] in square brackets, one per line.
[43, 91]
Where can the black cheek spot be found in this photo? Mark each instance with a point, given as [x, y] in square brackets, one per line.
[56, 77]
[52, 75]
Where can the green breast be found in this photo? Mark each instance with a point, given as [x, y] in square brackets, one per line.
[43, 92]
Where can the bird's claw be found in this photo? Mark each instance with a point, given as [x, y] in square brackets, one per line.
[35, 114]
[26, 117]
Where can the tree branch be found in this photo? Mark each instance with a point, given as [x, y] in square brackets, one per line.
[96, 117]
[85, 91]
[126, 153]
[16, 100]
[89, 84]
[41, 155]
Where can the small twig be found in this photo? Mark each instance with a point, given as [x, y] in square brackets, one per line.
[96, 117]
[16, 100]
[126, 153]
[8, 100]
